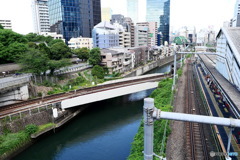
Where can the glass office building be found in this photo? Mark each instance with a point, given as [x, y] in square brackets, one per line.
[74, 18]
[132, 10]
[159, 11]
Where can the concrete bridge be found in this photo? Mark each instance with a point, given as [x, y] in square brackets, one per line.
[88, 95]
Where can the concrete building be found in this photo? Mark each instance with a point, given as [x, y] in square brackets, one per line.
[141, 35]
[152, 32]
[7, 24]
[106, 14]
[105, 35]
[228, 59]
[124, 37]
[132, 10]
[54, 35]
[140, 55]
[40, 16]
[80, 42]
[236, 18]
[127, 24]
[74, 18]
[129, 27]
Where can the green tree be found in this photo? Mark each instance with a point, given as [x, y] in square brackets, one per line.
[54, 41]
[32, 45]
[1, 27]
[98, 72]
[34, 61]
[95, 56]
[82, 53]
[54, 64]
[60, 50]
[33, 37]
[8, 37]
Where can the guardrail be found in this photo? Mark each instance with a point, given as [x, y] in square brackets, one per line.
[69, 70]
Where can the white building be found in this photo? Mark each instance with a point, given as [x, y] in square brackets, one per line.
[80, 42]
[7, 24]
[152, 32]
[141, 35]
[54, 35]
[236, 17]
[228, 49]
[40, 16]
[124, 37]
[105, 35]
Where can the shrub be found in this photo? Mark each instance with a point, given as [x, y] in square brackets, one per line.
[31, 128]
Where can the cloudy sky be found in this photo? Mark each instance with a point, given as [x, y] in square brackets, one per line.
[199, 13]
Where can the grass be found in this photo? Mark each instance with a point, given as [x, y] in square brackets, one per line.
[162, 100]
[12, 141]
[44, 127]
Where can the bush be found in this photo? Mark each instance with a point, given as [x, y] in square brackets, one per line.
[31, 128]
[98, 72]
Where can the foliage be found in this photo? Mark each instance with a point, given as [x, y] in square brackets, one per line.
[31, 128]
[12, 141]
[34, 61]
[162, 100]
[54, 65]
[77, 81]
[179, 72]
[12, 46]
[95, 56]
[44, 127]
[59, 50]
[1, 27]
[98, 72]
[54, 41]
[33, 37]
[82, 53]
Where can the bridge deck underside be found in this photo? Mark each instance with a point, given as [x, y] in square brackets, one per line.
[85, 99]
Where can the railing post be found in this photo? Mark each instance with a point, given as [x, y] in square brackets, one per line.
[174, 73]
[229, 141]
[148, 128]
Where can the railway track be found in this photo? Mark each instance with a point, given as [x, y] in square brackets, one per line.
[196, 144]
[57, 98]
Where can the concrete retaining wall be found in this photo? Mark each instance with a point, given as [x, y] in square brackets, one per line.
[148, 67]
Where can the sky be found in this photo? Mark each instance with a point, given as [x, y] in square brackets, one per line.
[198, 13]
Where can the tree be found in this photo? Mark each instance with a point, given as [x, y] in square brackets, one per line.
[34, 61]
[60, 50]
[82, 53]
[8, 37]
[54, 41]
[98, 72]
[1, 27]
[33, 37]
[54, 65]
[95, 56]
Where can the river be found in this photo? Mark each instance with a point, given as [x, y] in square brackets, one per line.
[104, 131]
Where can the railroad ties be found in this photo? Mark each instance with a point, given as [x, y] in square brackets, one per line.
[195, 138]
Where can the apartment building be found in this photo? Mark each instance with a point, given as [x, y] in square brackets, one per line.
[7, 24]
[80, 42]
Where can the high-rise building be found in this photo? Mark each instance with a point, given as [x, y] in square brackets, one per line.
[7, 24]
[117, 18]
[106, 14]
[129, 27]
[236, 18]
[40, 16]
[74, 18]
[152, 32]
[159, 11]
[132, 10]
[141, 35]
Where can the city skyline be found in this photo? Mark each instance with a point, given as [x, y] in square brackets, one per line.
[215, 13]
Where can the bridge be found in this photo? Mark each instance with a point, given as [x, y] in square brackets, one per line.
[87, 95]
